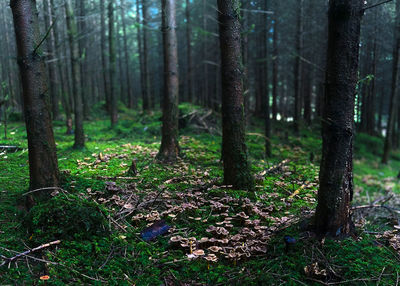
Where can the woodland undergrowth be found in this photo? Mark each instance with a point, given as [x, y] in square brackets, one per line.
[217, 236]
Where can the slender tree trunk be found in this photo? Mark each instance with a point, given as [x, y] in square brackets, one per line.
[43, 166]
[189, 53]
[275, 63]
[336, 173]
[265, 83]
[54, 91]
[76, 87]
[297, 68]
[234, 151]
[146, 76]
[205, 94]
[103, 55]
[111, 46]
[169, 149]
[131, 102]
[140, 47]
[61, 74]
[83, 59]
[394, 90]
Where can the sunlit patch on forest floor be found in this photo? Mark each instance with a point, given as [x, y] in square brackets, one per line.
[216, 235]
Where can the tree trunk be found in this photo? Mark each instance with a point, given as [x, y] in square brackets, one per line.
[265, 83]
[111, 46]
[394, 90]
[275, 63]
[234, 151]
[103, 55]
[131, 99]
[43, 165]
[336, 174]
[83, 59]
[297, 68]
[146, 76]
[54, 91]
[76, 87]
[169, 149]
[189, 53]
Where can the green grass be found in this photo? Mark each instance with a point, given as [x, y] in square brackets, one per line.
[96, 250]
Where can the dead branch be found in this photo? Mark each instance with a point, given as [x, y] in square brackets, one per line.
[25, 253]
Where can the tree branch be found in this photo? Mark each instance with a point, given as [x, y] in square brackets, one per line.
[376, 5]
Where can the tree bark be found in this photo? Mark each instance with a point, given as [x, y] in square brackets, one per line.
[234, 151]
[146, 76]
[54, 91]
[103, 55]
[297, 68]
[335, 193]
[189, 53]
[275, 63]
[43, 165]
[76, 76]
[111, 46]
[131, 99]
[169, 149]
[394, 89]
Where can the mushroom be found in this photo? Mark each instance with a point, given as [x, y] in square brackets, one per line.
[199, 252]
[203, 240]
[215, 248]
[175, 239]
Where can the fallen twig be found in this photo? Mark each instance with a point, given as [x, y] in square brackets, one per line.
[25, 253]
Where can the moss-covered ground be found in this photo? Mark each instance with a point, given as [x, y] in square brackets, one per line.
[102, 209]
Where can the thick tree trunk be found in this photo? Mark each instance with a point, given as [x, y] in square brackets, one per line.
[333, 215]
[43, 166]
[169, 149]
[111, 46]
[189, 53]
[76, 87]
[394, 90]
[234, 151]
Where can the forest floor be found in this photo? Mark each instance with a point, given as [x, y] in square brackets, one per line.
[102, 209]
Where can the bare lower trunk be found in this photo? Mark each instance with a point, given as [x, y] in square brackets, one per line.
[189, 53]
[394, 89]
[169, 149]
[336, 174]
[43, 166]
[111, 46]
[234, 151]
[76, 87]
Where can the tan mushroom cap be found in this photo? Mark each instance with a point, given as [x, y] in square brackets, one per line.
[211, 257]
[215, 248]
[199, 252]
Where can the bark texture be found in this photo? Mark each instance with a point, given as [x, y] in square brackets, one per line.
[43, 166]
[76, 71]
[394, 89]
[333, 216]
[234, 151]
[111, 49]
[169, 149]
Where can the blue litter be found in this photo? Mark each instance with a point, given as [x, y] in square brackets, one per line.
[155, 230]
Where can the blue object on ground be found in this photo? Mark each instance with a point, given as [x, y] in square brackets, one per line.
[155, 230]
